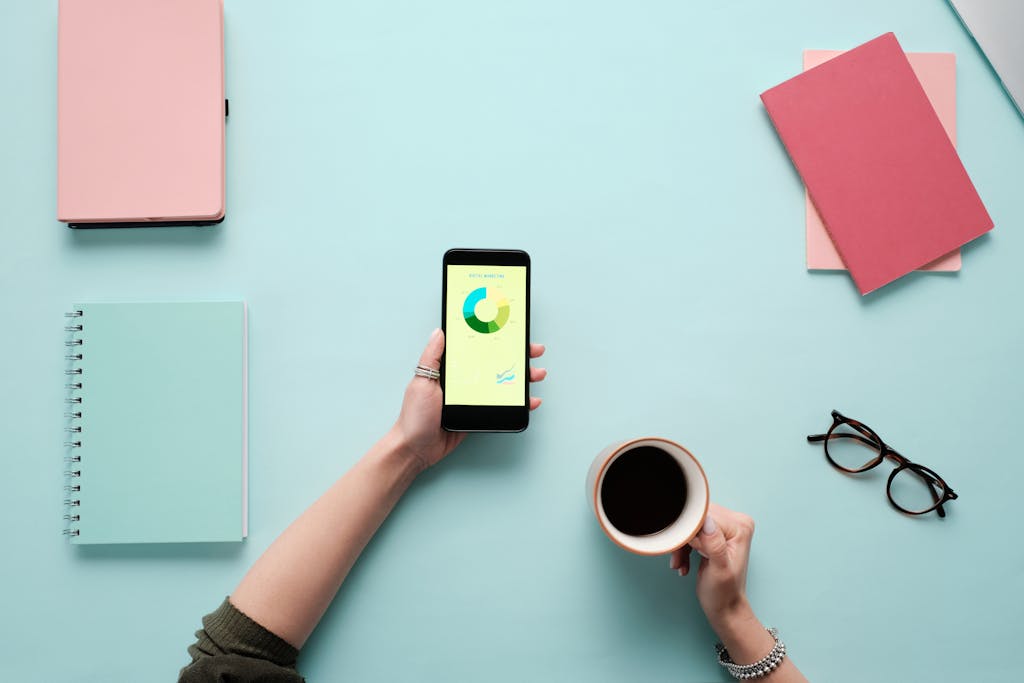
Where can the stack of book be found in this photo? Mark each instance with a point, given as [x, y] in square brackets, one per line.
[872, 132]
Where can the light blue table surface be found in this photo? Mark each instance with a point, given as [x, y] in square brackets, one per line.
[625, 147]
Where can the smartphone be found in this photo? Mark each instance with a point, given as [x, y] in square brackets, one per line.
[485, 315]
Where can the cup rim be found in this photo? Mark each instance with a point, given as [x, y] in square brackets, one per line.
[625, 445]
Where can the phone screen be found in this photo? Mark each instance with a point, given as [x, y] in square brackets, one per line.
[485, 343]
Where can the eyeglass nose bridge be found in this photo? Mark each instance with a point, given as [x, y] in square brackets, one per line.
[901, 461]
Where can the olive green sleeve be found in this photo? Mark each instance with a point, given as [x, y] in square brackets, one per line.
[231, 647]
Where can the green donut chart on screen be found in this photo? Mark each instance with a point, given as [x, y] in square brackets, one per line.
[486, 312]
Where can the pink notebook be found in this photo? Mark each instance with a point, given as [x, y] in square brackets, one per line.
[140, 112]
[877, 163]
[937, 73]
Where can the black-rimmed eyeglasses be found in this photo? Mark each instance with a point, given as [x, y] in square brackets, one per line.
[853, 447]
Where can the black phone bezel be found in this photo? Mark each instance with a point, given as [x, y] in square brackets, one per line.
[472, 418]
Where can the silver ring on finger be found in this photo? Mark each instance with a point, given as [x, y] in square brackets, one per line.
[427, 373]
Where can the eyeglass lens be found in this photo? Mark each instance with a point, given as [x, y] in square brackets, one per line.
[910, 490]
[850, 449]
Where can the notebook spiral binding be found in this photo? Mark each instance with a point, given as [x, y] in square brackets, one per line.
[72, 415]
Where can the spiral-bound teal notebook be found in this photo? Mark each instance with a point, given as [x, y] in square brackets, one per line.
[156, 423]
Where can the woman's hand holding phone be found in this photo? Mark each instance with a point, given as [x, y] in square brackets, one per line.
[418, 428]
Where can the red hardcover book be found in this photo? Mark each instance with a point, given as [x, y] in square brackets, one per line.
[877, 162]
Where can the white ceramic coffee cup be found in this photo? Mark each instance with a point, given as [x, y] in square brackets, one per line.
[690, 520]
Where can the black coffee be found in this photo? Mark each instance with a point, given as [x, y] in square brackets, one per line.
[644, 491]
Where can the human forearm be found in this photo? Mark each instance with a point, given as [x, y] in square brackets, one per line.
[748, 641]
[291, 585]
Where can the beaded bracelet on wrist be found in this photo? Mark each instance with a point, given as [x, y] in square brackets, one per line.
[758, 669]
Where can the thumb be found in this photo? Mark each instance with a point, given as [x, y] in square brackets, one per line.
[710, 542]
[431, 357]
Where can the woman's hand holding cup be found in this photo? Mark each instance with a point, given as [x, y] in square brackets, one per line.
[724, 548]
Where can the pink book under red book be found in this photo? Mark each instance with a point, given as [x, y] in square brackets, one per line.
[880, 169]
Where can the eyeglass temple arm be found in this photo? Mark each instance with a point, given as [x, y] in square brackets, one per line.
[935, 496]
[815, 438]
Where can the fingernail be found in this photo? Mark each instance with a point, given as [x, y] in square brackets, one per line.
[672, 562]
[709, 526]
[435, 334]
[680, 571]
